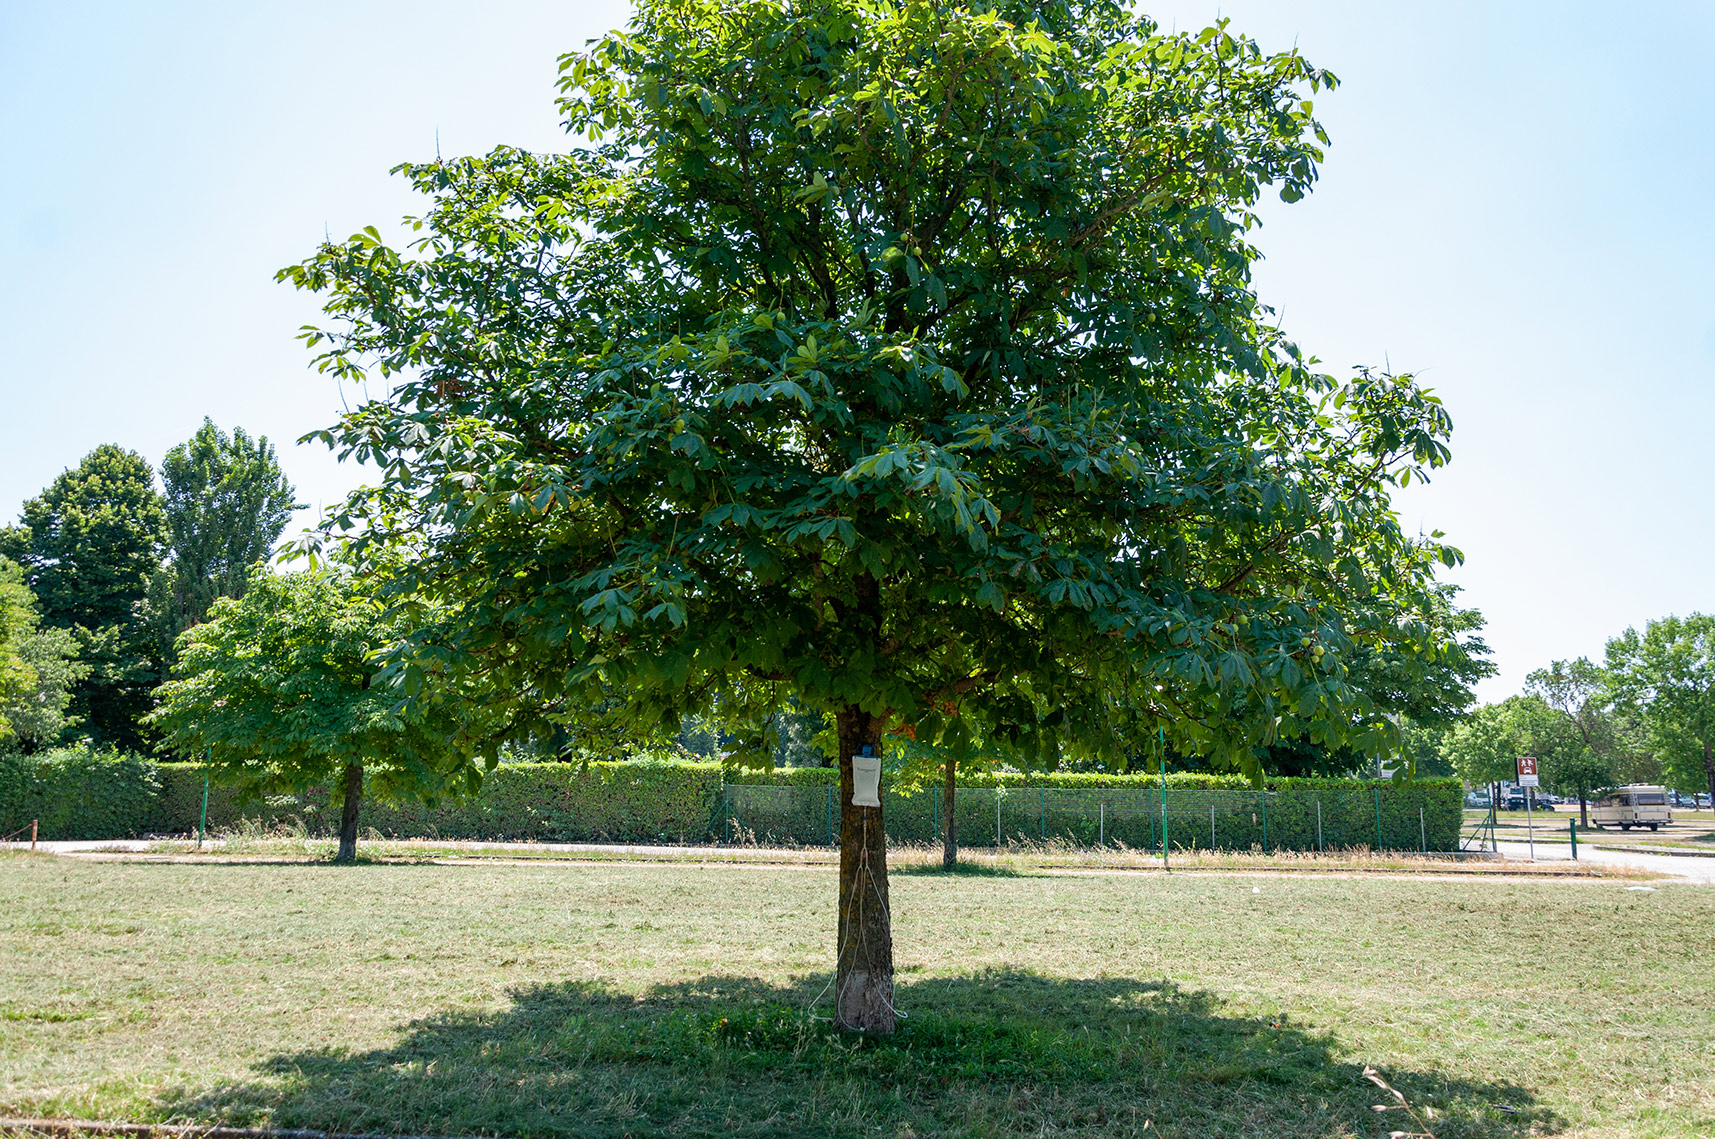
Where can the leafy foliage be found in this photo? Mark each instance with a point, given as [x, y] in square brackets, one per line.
[680, 802]
[226, 502]
[900, 360]
[1666, 674]
[81, 792]
[38, 668]
[282, 691]
[17, 622]
[89, 544]
[547, 802]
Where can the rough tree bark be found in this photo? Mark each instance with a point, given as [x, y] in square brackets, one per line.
[1709, 771]
[949, 828]
[863, 980]
[348, 813]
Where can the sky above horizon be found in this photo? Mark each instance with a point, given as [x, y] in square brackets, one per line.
[1514, 208]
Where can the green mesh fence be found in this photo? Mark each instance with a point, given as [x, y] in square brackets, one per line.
[1382, 817]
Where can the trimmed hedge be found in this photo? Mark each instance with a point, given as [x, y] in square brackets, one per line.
[1176, 780]
[545, 802]
[1312, 813]
[79, 793]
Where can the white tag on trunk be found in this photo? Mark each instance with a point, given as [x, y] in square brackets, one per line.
[866, 781]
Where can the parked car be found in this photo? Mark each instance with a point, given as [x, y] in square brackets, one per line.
[1516, 802]
[1634, 805]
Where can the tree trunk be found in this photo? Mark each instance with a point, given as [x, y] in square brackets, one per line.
[949, 828]
[863, 981]
[348, 813]
[1583, 812]
[1709, 772]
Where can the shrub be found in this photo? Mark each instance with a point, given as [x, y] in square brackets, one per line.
[547, 802]
[80, 793]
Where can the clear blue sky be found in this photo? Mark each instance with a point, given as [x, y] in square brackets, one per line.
[1516, 207]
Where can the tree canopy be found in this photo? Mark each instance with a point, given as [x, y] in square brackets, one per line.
[89, 544]
[901, 360]
[1667, 675]
[226, 502]
[38, 667]
[280, 691]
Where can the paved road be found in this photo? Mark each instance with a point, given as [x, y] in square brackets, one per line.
[1688, 866]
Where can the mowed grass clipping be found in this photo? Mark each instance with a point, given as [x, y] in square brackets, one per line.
[658, 999]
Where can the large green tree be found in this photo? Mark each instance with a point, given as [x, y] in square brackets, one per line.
[89, 545]
[226, 502]
[17, 622]
[1667, 675]
[282, 690]
[1483, 746]
[38, 668]
[901, 359]
[1586, 737]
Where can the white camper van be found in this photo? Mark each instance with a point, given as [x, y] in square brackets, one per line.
[1634, 805]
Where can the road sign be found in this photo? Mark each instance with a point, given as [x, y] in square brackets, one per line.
[1527, 772]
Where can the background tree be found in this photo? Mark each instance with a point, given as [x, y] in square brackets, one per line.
[88, 546]
[1587, 745]
[38, 668]
[17, 622]
[226, 502]
[891, 359]
[283, 690]
[1666, 674]
[1484, 746]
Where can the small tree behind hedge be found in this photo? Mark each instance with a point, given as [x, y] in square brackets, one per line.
[282, 691]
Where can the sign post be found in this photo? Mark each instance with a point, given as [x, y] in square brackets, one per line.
[1528, 779]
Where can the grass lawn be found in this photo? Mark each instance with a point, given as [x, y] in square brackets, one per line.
[611, 999]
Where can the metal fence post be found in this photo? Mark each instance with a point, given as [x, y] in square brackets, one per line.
[202, 824]
[1572, 829]
[1422, 834]
[726, 814]
[1212, 824]
[1102, 832]
[1164, 808]
[1321, 846]
[1042, 811]
[1265, 820]
[1376, 793]
[830, 814]
[935, 811]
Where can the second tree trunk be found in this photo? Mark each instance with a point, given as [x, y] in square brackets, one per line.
[348, 813]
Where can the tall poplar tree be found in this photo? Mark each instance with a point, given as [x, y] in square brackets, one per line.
[898, 358]
[226, 502]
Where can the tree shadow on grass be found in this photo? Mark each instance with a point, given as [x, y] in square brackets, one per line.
[992, 1053]
[957, 870]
